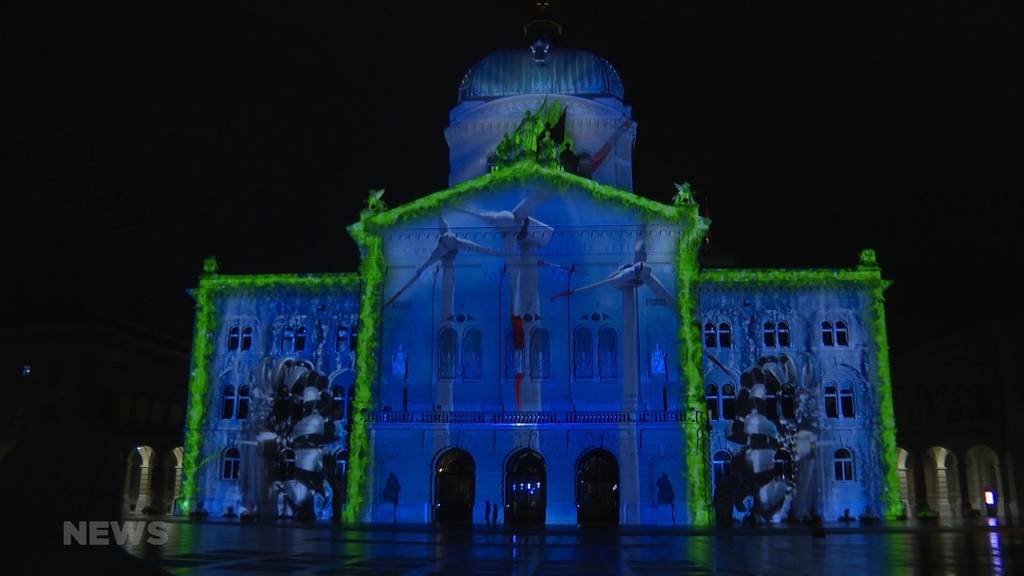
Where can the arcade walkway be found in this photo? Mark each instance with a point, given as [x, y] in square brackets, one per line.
[218, 548]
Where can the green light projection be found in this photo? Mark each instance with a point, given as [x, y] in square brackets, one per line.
[697, 471]
[533, 138]
[211, 286]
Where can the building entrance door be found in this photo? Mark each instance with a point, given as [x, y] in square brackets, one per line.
[597, 488]
[455, 485]
[525, 489]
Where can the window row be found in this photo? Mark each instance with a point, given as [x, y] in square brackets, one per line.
[235, 403]
[590, 358]
[231, 461]
[293, 338]
[721, 404]
[334, 403]
[776, 334]
[721, 465]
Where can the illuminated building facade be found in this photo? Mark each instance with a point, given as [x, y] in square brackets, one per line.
[540, 342]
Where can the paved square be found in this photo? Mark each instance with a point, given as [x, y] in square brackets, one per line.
[222, 548]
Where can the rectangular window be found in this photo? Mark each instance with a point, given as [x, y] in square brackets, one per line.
[728, 407]
[846, 403]
[712, 405]
[831, 408]
[844, 470]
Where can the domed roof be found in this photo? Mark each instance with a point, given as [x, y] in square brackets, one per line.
[547, 70]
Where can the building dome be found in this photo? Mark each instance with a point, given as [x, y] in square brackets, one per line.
[541, 69]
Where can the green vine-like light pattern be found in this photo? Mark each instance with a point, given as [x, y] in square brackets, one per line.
[366, 234]
[212, 285]
[697, 470]
[371, 268]
[868, 274]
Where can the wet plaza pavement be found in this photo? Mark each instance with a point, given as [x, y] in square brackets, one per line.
[223, 548]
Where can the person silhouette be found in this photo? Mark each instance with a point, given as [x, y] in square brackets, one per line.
[391, 489]
[666, 495]
[487, 512]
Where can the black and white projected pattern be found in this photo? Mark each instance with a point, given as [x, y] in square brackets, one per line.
[772, 434]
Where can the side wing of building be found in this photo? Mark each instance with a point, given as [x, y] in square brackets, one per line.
[797, 393]
[273, 370]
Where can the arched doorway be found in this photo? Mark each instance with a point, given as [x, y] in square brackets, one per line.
[525, 488]
[984, 482]
[904, 468]
[597, 488]
[942, 482]
[455, 488]
[138, 478]
[171, 478]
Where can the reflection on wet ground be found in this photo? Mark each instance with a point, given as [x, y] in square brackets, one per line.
[222, 548]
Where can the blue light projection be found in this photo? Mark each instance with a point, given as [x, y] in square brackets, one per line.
[540, 338]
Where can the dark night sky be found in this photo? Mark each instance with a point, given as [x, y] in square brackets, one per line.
[147, 137]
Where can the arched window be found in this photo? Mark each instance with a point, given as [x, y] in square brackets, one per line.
[607, 353]
[783, 329]
[844, 464]
[338, 403]
[233, 338]
[446, 354]
[710, 336]
[472, 354]
[783, 464]
[231, 464]
[540, 353]
[288, 339]
[341, 343]
[721, 465]
[243, 402]
[711, 401]
[227, 402]
[831, 401]
[247, 338]
[842, 334]
[769, 334]
[583, 364]
[846, 400]
[300, 338]
[827, 336]
[724, 335]
[728, 402]
[286, 464]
